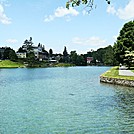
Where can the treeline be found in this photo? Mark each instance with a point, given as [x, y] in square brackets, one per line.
[121, 52]
[103, 56]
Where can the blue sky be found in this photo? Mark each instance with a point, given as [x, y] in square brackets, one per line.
[48, 22]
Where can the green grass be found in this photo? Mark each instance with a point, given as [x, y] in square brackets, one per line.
[114, 73]
[10, 64]
[64, 65]
[132, 69]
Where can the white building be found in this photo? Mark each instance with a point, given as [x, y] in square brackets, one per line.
[21, 55]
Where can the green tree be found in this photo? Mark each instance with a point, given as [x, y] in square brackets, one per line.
[100, 54]
[88, 3]
[125, 41]
[28, 44]
[0, 55]
[103, 56]
[50, 53]
[73, 57]
[80, 60]
[65, 55]
[30, 59]
[6, 53]
[12, 55]
[129, 58]
[108, 56]
[76, 59]
[21, 50]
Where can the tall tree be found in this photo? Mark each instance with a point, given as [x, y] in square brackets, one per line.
[65, 55]
[6, 53]
[50, 52]
[125, 41]
[12, 55]
[28, 44]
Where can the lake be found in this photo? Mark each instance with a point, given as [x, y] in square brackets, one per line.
[63, 101]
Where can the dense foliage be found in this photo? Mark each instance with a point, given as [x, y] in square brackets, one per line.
[8, 53]
[121, 52]
[125, 42]
[103, 56]
[88, 3]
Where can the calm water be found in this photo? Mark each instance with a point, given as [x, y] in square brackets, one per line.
[63, 101]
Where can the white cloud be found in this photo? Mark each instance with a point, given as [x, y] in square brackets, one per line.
[62, 12]
[3, 18]
[125, 13]
[49, 18]
[11, 41]
[91, 41]
[84, 12]
[111, 9]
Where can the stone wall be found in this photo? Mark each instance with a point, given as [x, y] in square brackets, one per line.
[117, 81]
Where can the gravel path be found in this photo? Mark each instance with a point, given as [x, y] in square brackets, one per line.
[126, 73]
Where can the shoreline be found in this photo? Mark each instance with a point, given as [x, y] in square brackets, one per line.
[117, 81]
[112, 77]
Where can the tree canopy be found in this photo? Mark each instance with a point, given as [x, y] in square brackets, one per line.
[125, 41]
[88, 3]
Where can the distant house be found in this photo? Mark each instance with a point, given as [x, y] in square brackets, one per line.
[53, 61]
[36, 51]
[21, 55]
[89, 59]
[39, 52]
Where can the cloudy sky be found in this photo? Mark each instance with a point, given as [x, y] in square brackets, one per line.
[51, 24]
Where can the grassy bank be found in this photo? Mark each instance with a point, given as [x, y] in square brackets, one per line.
[64, 65]
[37, 64]
[114, 73]
[10, 64]
[132, 69]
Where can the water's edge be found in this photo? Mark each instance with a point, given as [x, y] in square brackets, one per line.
[117, 81]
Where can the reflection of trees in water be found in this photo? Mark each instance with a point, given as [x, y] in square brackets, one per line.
[125, 107]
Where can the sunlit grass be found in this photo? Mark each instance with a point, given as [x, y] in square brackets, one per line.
[10, 64]
[114, 73]
[64, 65]
[132, 69]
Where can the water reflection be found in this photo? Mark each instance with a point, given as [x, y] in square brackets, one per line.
[125, 106]
[53, 101]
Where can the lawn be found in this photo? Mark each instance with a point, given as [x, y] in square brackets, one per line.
[10, 64]
[64, 65]
[114, 73]
[132, 69]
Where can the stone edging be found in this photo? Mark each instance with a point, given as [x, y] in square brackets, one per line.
[117, 81]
